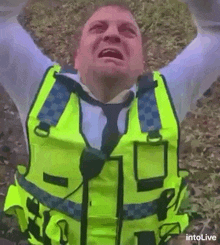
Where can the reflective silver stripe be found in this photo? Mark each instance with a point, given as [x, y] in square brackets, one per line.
[132, 211]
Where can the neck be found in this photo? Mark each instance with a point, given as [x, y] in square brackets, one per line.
[105, 89]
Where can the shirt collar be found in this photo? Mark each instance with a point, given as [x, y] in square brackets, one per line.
[121, 97]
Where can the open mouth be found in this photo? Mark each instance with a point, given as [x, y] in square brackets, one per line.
[111, 53]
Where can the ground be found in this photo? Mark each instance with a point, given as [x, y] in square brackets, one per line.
[167, 28]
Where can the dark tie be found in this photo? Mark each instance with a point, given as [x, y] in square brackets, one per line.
[111, 135]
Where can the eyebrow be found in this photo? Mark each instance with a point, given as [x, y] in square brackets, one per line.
[123, 23]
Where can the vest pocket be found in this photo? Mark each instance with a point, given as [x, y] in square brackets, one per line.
[13, 206]
[24, 207]
[16, 205]
[150, 165]
[55, 229]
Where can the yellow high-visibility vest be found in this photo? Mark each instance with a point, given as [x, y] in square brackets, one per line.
[136, 197]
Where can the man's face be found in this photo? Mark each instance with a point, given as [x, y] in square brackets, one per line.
[110, 46]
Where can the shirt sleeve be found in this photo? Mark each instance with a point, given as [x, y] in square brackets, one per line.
[205, 14]
[9, 9]
[194, 70]
[22, 64]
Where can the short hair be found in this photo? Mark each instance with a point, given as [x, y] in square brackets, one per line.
[91, 8]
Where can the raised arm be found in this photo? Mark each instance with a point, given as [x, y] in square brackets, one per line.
[22, 64]
[9, 9]
[198, 66]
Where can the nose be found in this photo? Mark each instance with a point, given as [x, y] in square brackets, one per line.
[112, 35]
[112, 39]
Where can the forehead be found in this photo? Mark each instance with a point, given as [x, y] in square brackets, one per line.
[112, 14]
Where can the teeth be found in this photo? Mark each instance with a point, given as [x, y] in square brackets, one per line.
[110, 50]
[107, 50]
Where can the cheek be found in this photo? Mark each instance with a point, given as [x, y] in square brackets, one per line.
[137, 51]
[84, 56]
[86, 52]
[137, 59]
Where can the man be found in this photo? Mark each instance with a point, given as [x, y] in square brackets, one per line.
[124, 40]
[103, 148]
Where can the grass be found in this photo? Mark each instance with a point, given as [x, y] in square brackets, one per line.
[166, 27]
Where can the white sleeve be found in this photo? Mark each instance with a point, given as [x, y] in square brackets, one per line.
[193, 72]
[10, 9]
[205, 13]
[195, 69]
[22, 64]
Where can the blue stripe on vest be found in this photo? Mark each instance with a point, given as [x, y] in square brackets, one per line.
[139, 210]
[147, 106]
[148, 112]
[55, 104]
[60, 93]
[70, 208]
[131, 211]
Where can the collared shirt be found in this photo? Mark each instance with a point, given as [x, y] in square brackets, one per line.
[93, 117]
[122, 96]
[188, 76]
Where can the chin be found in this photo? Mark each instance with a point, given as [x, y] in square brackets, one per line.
[111, 71]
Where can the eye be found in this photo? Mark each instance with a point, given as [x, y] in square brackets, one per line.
[128, 30]
[97, 28]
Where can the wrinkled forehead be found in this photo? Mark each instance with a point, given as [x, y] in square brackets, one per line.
[112, 14]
